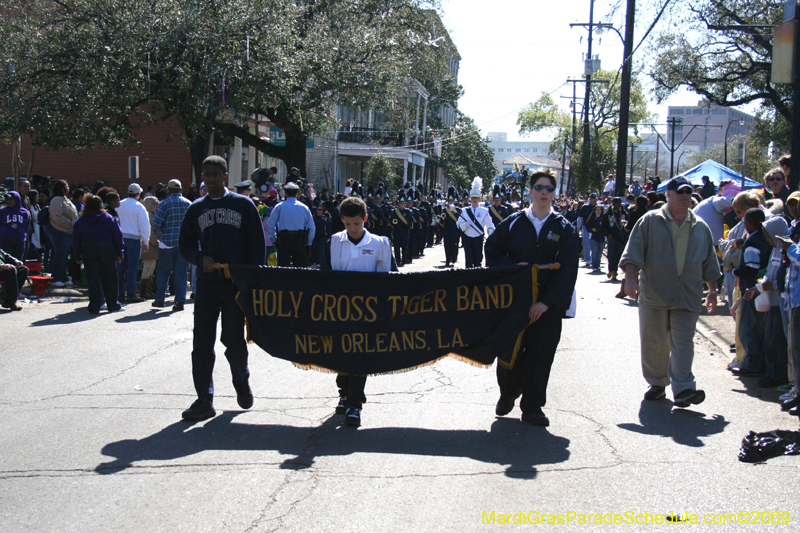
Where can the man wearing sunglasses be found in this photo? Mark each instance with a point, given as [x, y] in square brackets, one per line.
[535, 236]
[672, 251]
[776, 183]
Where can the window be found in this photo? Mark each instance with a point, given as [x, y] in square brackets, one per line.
[535, 150]
[519, 149]
[499, 149]
[527, 150]
[677, 111]
[698, 111]
[721, 111]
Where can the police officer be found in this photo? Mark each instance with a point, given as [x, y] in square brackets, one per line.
[291, 228]
[536, 235]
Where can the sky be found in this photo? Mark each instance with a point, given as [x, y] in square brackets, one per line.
[513, 50]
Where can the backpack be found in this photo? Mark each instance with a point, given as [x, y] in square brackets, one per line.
[44, 216]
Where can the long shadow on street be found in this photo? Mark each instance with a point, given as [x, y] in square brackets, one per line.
[508, 442]
[684, 426]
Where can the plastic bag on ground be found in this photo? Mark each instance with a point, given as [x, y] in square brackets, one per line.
[758, 447]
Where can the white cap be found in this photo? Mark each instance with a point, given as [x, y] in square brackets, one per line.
[475, 192]
[134, 188]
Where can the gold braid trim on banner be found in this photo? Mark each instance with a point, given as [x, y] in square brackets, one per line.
[400, 371]
[535, 289]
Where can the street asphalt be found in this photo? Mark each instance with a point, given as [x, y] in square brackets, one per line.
[92, 439]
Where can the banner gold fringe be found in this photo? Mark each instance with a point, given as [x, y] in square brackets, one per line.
[402, 370]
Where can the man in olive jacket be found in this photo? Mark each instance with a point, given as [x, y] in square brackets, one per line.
[672, 251]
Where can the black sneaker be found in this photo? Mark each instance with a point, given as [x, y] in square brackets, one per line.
[158, 303]
[655, 392]
[353, 416]
[178, 306]
[537, 418]
[342, 407]
[245, 397]
[504, 405]
[687, 397]
[200, 410]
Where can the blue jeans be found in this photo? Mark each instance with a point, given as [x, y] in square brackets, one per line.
[61, 241]
[129, 268]
[597, 253]
[751, 333]
[170, 260]
[586, 240]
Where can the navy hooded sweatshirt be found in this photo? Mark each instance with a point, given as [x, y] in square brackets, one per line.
[14, 221]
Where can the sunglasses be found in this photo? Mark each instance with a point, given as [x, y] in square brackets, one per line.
[775, 179]
[684, 190]
[540, 188]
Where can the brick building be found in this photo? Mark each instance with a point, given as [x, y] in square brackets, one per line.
[162, 156]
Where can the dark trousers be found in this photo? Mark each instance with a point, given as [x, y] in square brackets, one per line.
[451, 249]
[61, 242]
[473, 251]
[211, 299]
[292, 251]
[353, 388]
[100, 266]
[17, 251]
[400, 240]
[13, 279]
[751, 333]
[531, 370]
[615, 249]
[776, 350]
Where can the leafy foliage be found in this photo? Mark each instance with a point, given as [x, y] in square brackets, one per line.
[465, 154]
[702, 52]
[757, 162]
[604, 109]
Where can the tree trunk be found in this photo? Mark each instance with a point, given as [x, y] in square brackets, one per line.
[199, 151]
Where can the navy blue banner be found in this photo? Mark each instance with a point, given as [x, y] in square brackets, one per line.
[376, 323]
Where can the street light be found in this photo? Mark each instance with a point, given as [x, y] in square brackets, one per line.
[678, 166]
[741, 123]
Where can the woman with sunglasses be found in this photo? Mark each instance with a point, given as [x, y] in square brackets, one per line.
[534, 236]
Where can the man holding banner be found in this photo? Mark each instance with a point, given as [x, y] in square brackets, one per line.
[356, 250]
[228, 228]
[535, 236]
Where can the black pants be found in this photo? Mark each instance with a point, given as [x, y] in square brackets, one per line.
[615, 249]
[473, 251]
[400, 241]
[451, 249]
[13, 280]
[352, 387]
[100, 266]
[212, 298]
[531, 370]
[292, 251]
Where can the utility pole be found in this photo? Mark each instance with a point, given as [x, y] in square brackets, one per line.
[633, 147]
[625, 100]
[588, 71]
[673, 121]
[571, 179]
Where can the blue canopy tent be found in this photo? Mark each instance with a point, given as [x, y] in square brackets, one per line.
[716, 172]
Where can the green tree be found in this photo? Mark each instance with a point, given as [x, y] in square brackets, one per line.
[381, 168]
[466, 154]
[716, 49]
[91, 71]
[544, 114]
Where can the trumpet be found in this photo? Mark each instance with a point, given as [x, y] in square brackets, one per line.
[395, 222]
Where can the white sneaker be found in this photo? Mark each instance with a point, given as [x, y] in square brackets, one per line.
[104, 307]
[733, 364]
[58, 284]
[791, 395]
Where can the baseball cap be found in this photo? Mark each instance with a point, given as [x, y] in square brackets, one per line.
[676, 184]
[794, 197]
[134, 188]
[174, 184]
[593, 195]
[291, 186]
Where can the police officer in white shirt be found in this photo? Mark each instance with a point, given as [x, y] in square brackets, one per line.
[473, 222]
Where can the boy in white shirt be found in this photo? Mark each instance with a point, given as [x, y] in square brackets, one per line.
[355, 249]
